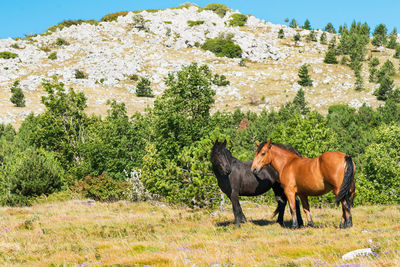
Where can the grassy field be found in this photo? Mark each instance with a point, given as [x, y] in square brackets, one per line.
[86, 233]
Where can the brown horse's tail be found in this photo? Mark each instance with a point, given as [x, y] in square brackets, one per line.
[348, 181]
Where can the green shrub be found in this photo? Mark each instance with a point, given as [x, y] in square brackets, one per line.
[281, 34]
[53, 56]
[114, 16]
[7, 55]
[69, 23]
[192, 23]
[220, 80]
[32, 172]
[80, 74]
[238, 20]
[218, 9]
[61, 41]
[223, 47]
[143, 88]
[102, 188]
[17, 96]
[330, 57]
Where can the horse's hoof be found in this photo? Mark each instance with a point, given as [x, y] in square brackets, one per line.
[243, 220]
[310, 224]
[295, 226]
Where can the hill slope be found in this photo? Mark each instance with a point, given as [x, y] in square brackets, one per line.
[111, 53]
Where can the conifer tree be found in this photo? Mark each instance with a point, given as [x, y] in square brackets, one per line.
[281, 34]
[17, 97]
[293, 24]
[307, 25]
[305, 79]
[379, 35]
[332, 43]
[330, 57]
[300, 102]
[296, 38]
[143, 88]
[392, 43]
[386, 86]
[323, 38]
[397, 52]
[329, 28]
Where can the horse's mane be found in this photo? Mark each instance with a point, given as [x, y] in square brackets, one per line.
[285, 147]
[219, 149]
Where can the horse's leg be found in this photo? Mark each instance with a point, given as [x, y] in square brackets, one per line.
[346, 220]
[291, 196]
[282, 200]
[237, 210]
[298, 213]
[306, 209]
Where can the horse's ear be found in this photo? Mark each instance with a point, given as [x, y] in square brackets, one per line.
[269, 144]
[257, 144]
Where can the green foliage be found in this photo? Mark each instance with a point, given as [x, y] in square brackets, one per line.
[69, 23]
[392, 43]
[183, 111]
[311, 37]
[61, 42]
[218, 9]
[293, 24]
[329, 28]
[305, 79]
[32, 172]
[397, 52]
[296, 37]
[192, 23]
[307, 25]
[7, 55]
[220, 80]
[332, 43]
[102, 188]
[379, 34]
[323, 38]
[143, 88]
[223, 47]
[382, 169]
[114, 16]
[330, 57]
[281, 34]
[17, 96]
[238, 19]
[53, 56]
[80, 74]
[386, 85]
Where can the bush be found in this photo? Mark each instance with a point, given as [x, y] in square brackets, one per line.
[220, 80]
[223, 47]
[53, 56]
[218, 9]
[143, 88]
[7, 55]
[102, 188]
[69, 23]
[80, 74]
[61, 41]
[17, 97]
[114, 16]
[237, 20]
[330, 57]
[192, 23]
[281, 34]
[32, 173]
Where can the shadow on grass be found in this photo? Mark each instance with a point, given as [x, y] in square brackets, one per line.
[286, 224]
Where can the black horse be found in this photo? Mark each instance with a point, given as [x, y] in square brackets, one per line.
[235, 179]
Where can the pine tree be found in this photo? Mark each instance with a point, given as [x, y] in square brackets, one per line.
[397, 52]
[296, 38]
[323, 38]
[307, 25]
[358, 86]
[332, 43]
[311, 37]
[281, 34]
[143, 88]
[17, 97]
[386, 85]
[392, 43]
[330, 57]
[293, 24]
[305, 79]
[379, 35]
[299, 101]
[329, 28]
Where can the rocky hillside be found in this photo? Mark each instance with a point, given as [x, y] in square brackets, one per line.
[111, 54]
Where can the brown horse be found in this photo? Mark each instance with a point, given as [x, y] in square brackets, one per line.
[310, 177]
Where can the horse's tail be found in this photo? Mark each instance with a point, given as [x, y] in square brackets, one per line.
[348, 182]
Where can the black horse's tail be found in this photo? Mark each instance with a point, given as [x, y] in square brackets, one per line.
[348, 180]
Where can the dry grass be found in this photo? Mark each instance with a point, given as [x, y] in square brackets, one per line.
[99, 234]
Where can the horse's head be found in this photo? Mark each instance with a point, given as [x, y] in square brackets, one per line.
[262, 157]
[221, 158]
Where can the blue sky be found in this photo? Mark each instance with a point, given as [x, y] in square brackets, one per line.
[20, 17]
